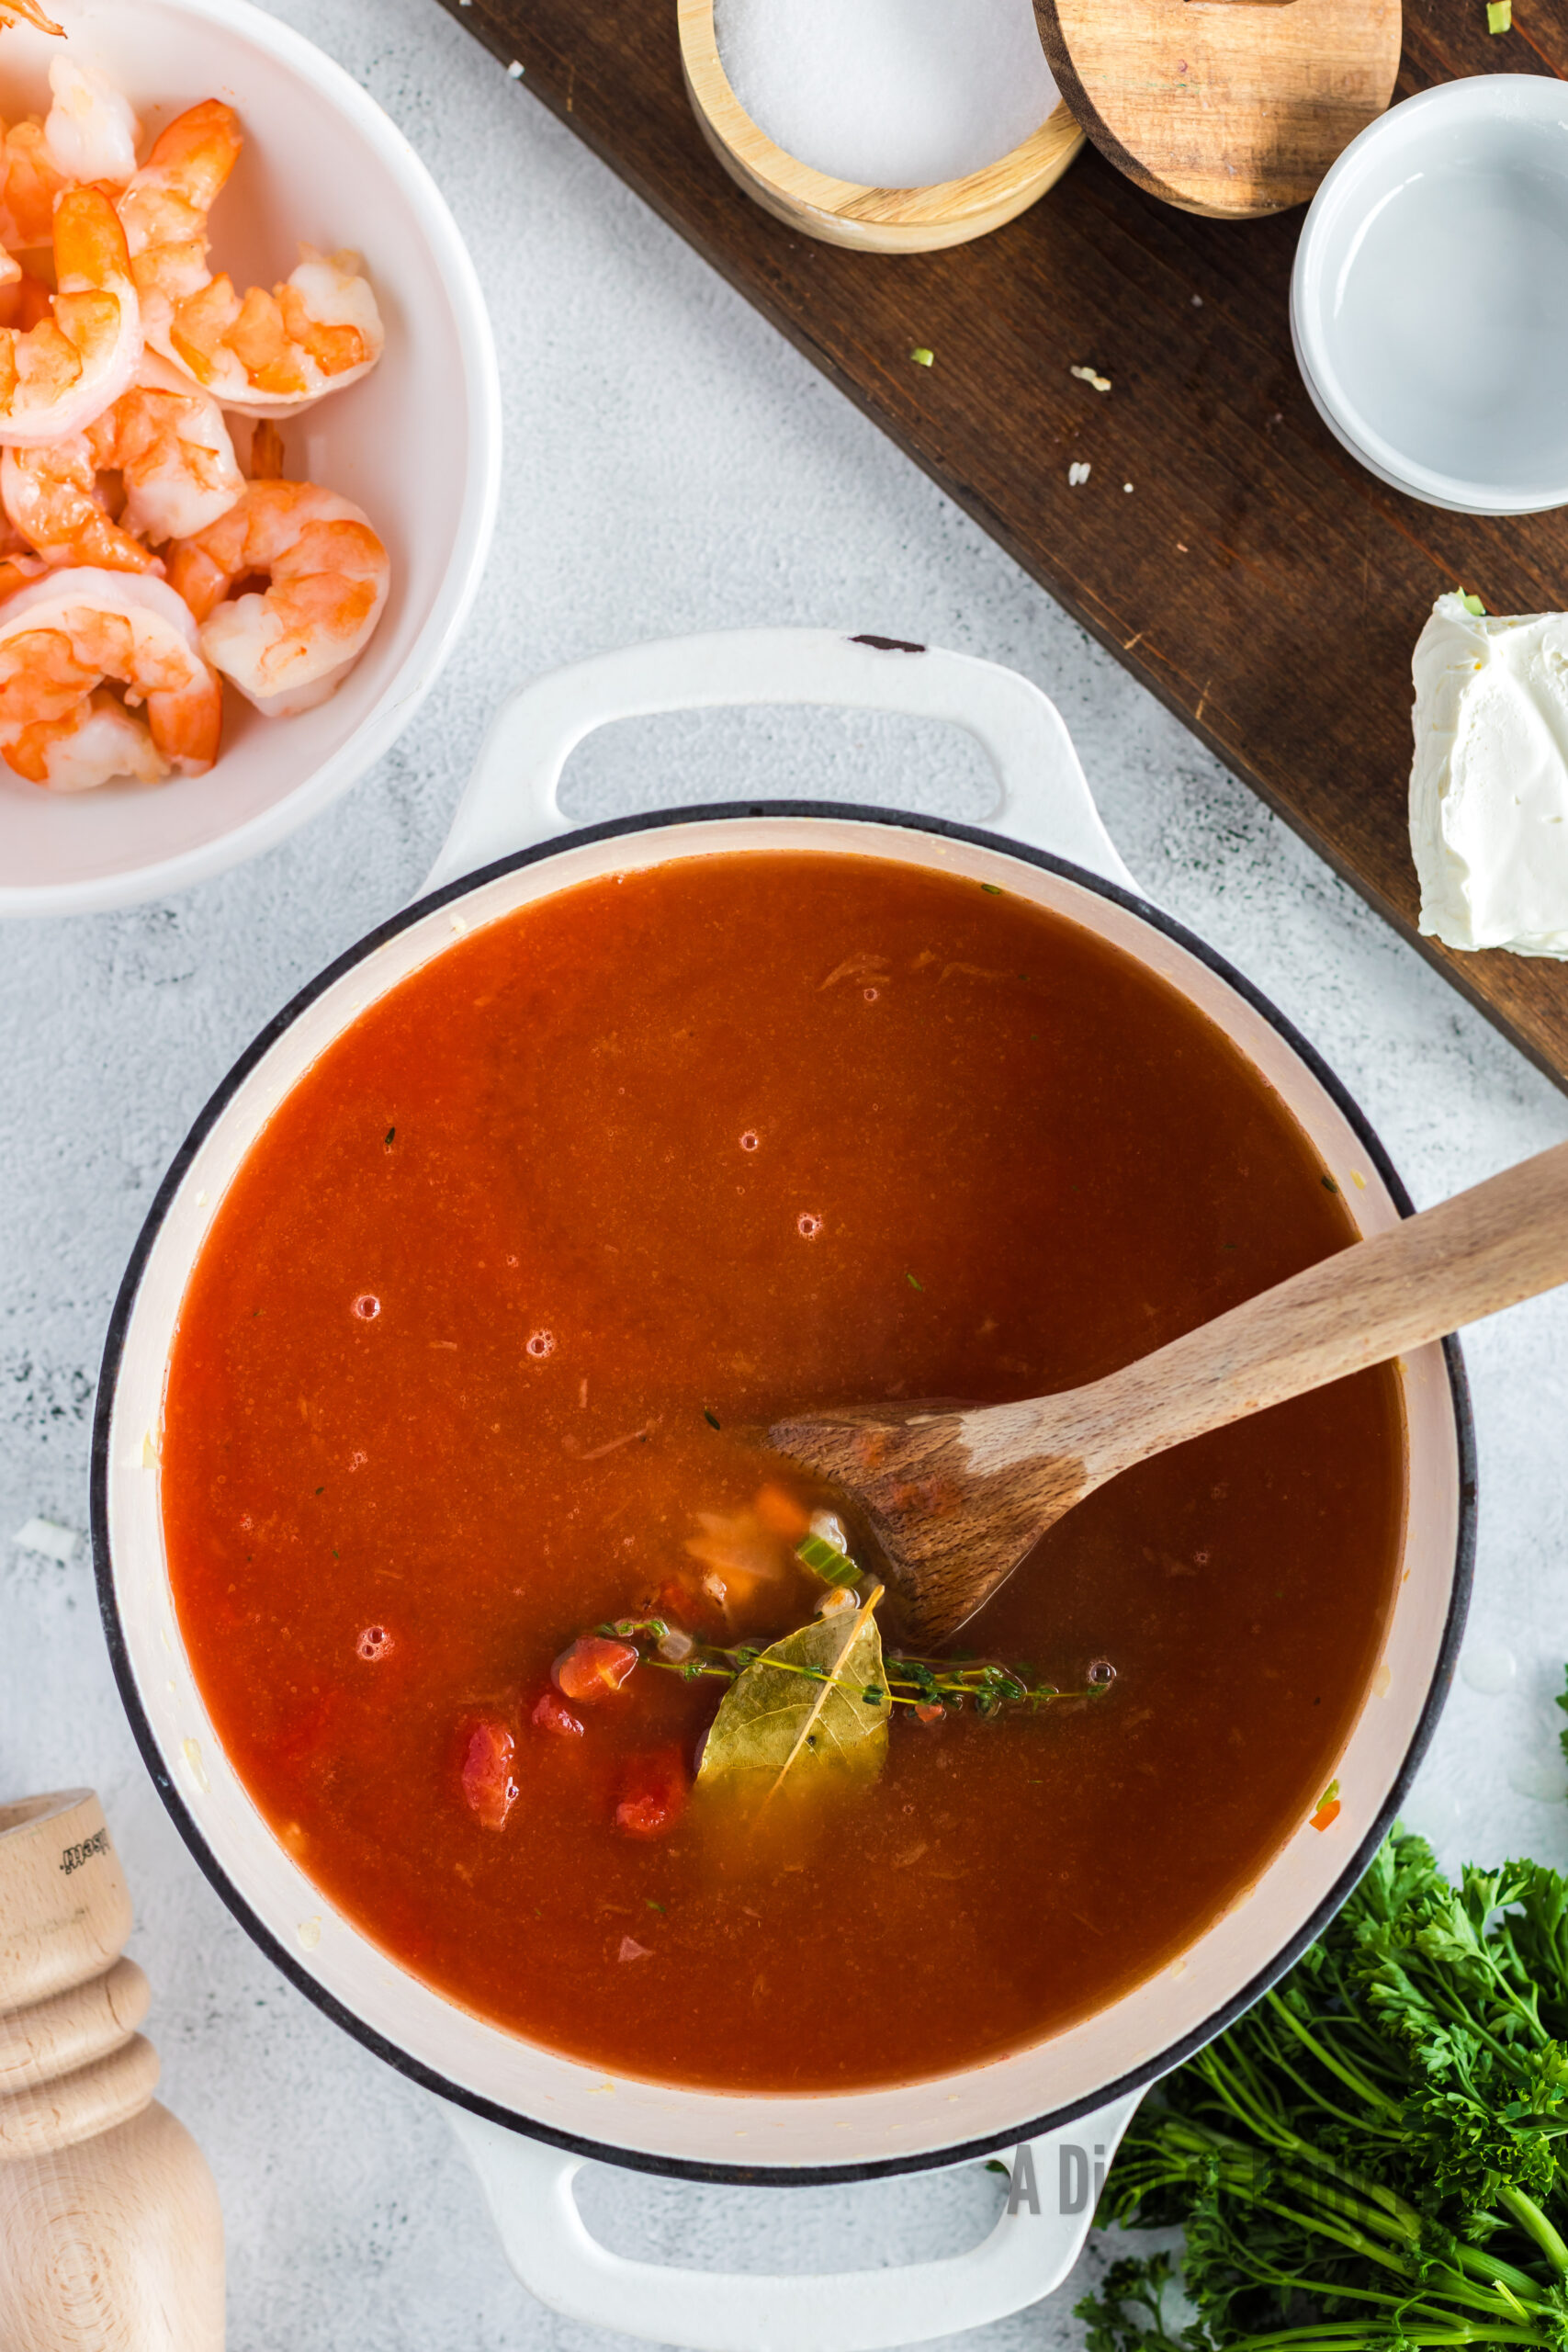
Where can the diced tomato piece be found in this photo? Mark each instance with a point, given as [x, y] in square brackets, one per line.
[931, 1712]
[654, 1789]
[488, 1784]
[593, 1668]
[550, 1714]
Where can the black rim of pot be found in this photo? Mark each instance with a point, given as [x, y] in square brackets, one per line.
[680, 2167]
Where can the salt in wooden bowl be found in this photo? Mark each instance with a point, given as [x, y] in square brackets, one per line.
[843, 212]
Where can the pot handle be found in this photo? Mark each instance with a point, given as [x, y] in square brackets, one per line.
[511, 800]
[528, 2187]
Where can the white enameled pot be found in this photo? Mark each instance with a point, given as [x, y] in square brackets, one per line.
[527, 2116]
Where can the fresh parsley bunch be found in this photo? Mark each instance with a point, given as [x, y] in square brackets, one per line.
[1374, 2155]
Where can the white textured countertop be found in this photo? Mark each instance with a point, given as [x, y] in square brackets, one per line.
[671, 464]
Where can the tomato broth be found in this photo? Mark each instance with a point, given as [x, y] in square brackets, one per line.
[466, 1367]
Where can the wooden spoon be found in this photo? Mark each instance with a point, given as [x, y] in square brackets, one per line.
[955, 1497]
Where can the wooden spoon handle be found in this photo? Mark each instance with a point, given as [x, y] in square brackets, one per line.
[1487, 1249]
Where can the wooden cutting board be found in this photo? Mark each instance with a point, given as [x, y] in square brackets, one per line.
[1261, 583]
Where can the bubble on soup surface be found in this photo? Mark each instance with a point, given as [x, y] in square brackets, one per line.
[541, 1343]
[1101, 1673]
[749, 1140]
[807, 1225]
[367, 1306]
[374, 1642]
[871, 995]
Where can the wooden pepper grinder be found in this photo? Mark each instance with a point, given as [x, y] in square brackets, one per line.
[111, 2236]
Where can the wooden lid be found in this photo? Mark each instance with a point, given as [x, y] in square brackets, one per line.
[1230, 107]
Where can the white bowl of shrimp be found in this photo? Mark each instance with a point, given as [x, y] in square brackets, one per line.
[231, 301]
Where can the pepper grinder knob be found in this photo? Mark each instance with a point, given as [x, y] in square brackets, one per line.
[111, 2234]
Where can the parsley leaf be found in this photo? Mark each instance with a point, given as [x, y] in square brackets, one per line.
[1377, 2153]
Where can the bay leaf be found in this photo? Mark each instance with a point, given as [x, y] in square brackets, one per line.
[799, 1713]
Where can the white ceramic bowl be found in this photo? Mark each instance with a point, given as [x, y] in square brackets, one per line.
[417, 443]
[1429, 297]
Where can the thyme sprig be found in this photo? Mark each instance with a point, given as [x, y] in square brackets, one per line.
[979, 1686]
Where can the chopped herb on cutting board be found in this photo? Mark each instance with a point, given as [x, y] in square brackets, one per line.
[1377, 2154]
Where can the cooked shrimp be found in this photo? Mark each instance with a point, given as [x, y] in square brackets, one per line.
[168, 444]
[28, 12]
[271, 353]
[30, 180]
[62, 640]
[52, 496]
[96, 742]
[89, 134]
[19, 564]
[260, 352]
[267, 452]
[59, 375]
[24, 300]
[167, 441]
[163, 210]
[90, 131]
[287, 649]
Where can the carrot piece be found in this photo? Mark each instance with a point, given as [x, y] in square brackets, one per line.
[654, 1789]
[488, 1785]
[591, 1668]
[781, 1514]
[1326, 1814]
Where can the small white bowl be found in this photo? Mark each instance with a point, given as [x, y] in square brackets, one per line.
[1429, 297]
[417, 443]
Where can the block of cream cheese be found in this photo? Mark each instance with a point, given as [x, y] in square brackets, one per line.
[1489, 784]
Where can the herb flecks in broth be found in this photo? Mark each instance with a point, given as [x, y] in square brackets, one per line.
[808, 1708]
[573, 1087]
[928, 1687]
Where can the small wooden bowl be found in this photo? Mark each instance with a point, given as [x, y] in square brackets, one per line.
[841, 212]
